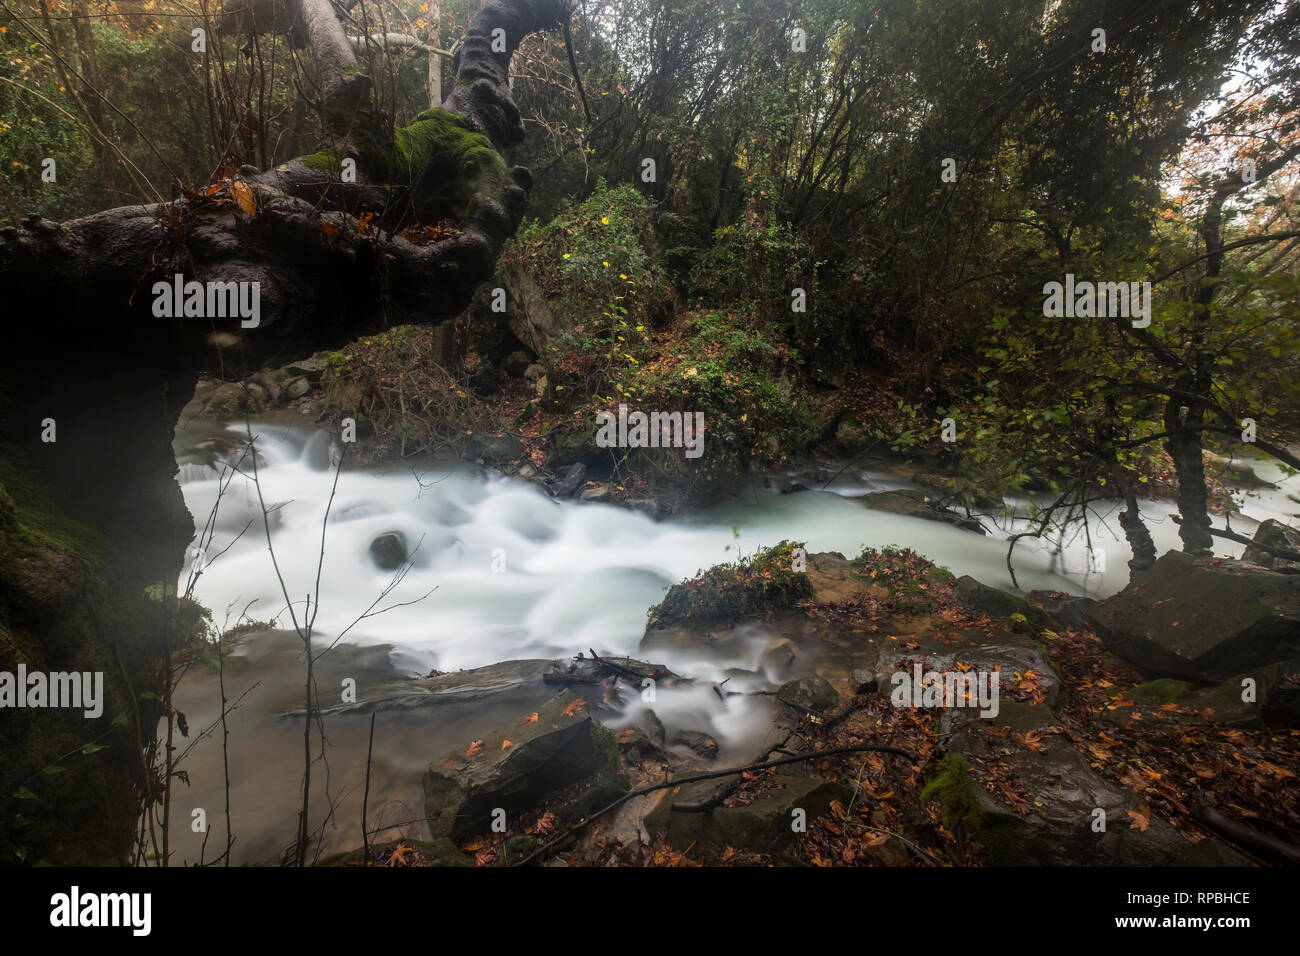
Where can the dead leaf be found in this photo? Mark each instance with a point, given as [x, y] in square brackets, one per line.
[530, 719]
[1141, 818]
[505, 744]
[576, 707]
[244, 197]
[475, 748]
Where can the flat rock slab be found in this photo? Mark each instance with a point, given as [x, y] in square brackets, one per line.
[1055, 821]
[1202, 619]
[512, 769]
[523, 678]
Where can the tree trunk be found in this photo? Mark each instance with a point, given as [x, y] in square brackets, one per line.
[85, 348]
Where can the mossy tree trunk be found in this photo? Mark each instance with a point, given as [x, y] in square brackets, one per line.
[85, 349]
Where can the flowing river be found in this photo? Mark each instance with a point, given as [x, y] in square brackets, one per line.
[502, 572]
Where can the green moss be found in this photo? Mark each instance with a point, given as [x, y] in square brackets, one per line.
[66, 605]
[327, 161]
[1166, 690]
[607, 743]
[40, 522]
[957, 791]
[941, 575]
[760, 584]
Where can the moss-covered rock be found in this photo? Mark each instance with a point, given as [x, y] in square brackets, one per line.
[962, 808]
[763, 583]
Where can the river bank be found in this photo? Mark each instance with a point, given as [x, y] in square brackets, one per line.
[509, 583]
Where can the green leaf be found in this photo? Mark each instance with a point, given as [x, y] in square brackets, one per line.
[24, 794]
[53, 770]
[92, 748]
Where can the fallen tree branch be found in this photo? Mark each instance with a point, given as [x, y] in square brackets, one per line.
[1250, 543]
[1246, 836]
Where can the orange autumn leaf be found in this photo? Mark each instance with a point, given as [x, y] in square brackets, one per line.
[530, 719]
[1033, 740]
[475, 748]
[505, 744]
[576, 707]
[244, 197]
[403, 855]
[1141, 819]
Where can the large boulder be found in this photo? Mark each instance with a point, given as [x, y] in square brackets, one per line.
[514, 768]
[1056, 821]
[1202, 619]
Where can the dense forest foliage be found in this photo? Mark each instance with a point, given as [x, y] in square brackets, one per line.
[919, 171]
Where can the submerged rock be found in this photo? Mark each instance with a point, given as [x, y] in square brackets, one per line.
[570, 480]
[389, 550]
[597, 491]
[915, 504]
[700, 743]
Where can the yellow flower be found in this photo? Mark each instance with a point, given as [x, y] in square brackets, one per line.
[566, 255]
[622, 276]
[605, 264]
[604, 220]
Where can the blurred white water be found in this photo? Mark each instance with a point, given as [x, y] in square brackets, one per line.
[571, 576]
[568, 576]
